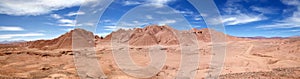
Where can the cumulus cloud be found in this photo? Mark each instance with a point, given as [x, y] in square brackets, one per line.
[37, 7]
[11, 28]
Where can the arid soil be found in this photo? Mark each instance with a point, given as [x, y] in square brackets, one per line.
[246, 58]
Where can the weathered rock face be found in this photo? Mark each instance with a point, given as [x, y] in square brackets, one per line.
[150, 35]
[62, 42]
[163, 35]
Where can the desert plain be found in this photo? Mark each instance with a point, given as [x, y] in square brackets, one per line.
[245, 58]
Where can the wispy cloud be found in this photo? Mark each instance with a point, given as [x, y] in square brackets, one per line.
[103, 34]
[8, 36]
[242, 19]
[63, 21]
[236, 14]
[155, 3]
[149, 17]
[184, 12]
[167, 22]
[11, 28]
[159, 3]
[265, 10]
[129, 3]
[106, 21]
[278, 25]
[291, 2]
[114, 28]
[75, 13]
[67, 29]
[125, 25]
[37, 7]
[56, 16]
[66, 22]
[288, 22]
[197, 17]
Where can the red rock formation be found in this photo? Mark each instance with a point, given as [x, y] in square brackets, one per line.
[62, 42]
[163, 35]
[150, 35]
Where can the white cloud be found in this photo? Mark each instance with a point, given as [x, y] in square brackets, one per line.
[37, 7]
[69, 25]
[131, 24]
[128, 3]
[66, 22]
[167, 22]
[236, 14]
[8, 36]
[289, 22]
[295, 30]
[159, 3]
[75, 13]
[114, 28]
[106, 21]
[264, 10]
[155, 3]
[72, 23]
[86, 24]
[149, 17]
[184, 12]
[10, 28]
[103, 34]
[123, 25]
[68, 29]
[278, 25]
[196, 26]
[55, 16]
[291, 2]
[197, 17]
[241, 19]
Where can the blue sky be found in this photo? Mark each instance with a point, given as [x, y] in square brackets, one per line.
[47, 19]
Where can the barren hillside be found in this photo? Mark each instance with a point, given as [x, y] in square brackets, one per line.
[245, 57]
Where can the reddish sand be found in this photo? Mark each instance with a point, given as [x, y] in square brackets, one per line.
[245, 57]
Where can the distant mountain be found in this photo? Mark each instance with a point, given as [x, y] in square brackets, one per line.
[262, 37]
[62, 42]
[10, 42]
[149, 35]
[163, 35]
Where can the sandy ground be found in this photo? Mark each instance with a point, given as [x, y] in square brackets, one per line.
[248, 59]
